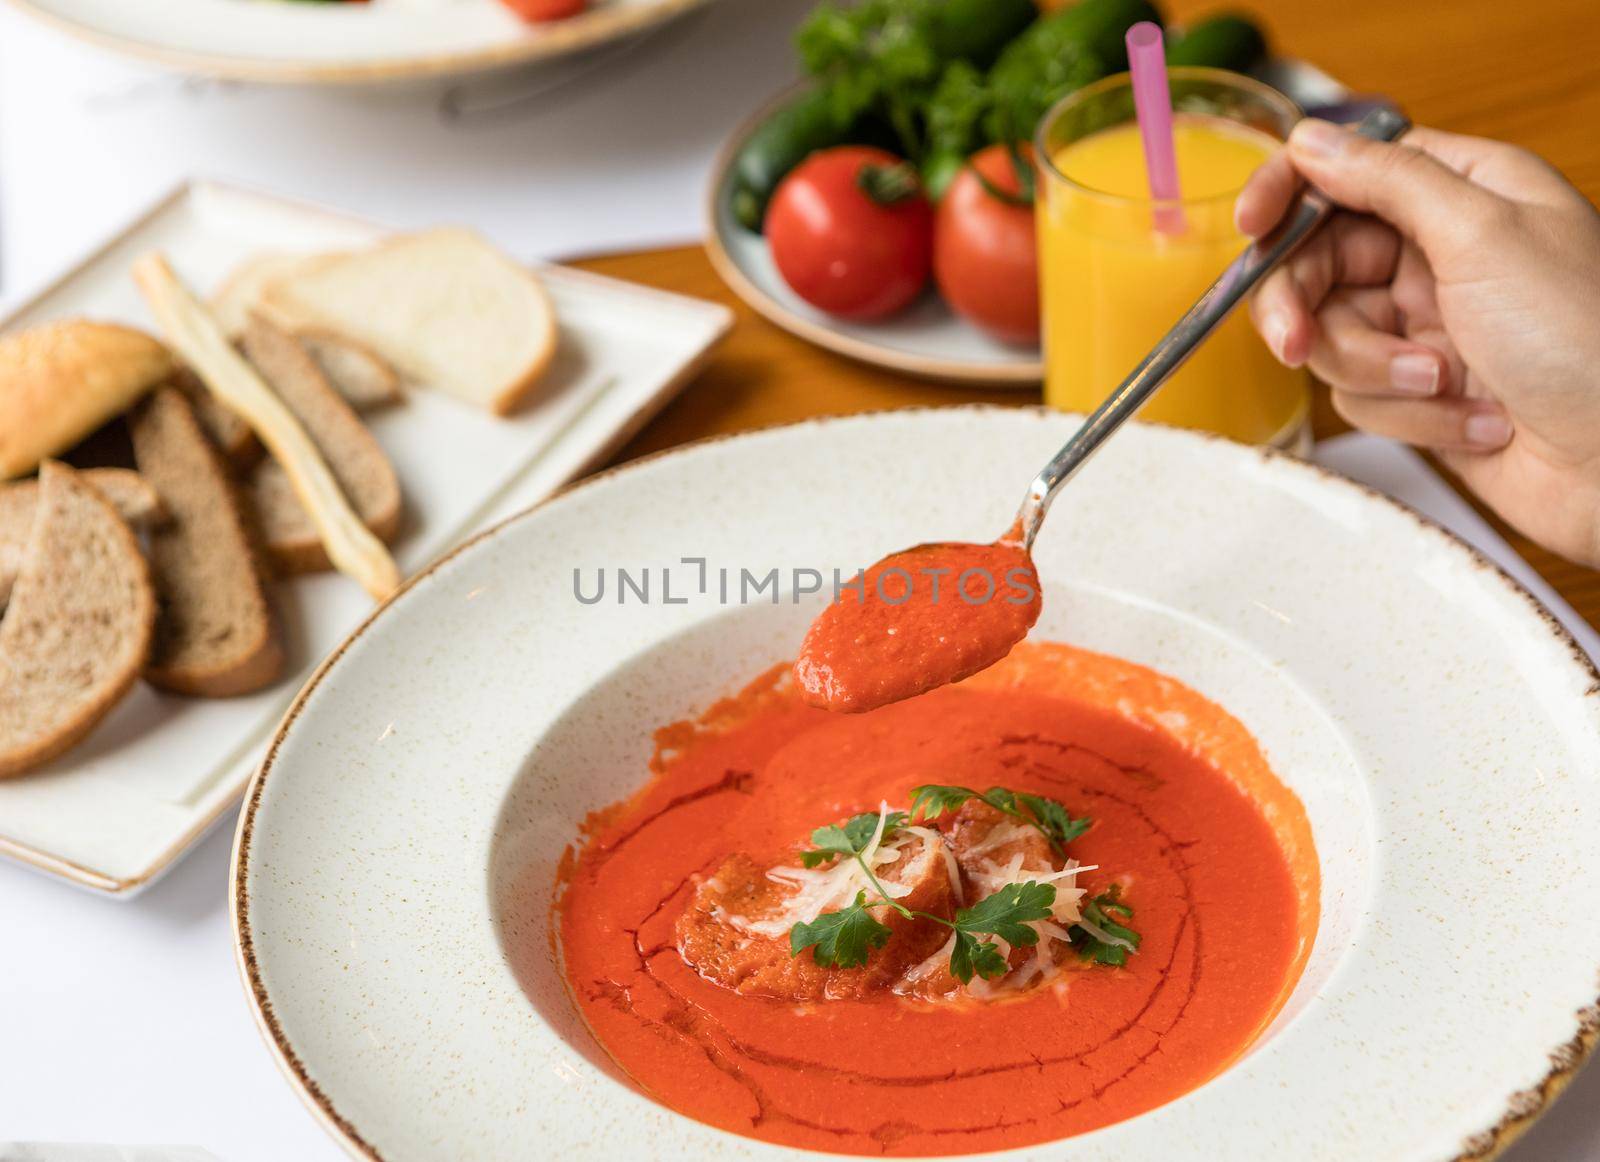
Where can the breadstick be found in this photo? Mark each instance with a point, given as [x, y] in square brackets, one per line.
[194, 334]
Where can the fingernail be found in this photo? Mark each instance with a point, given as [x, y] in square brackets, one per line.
[1276, 333]
[1414, 374]
[1488, 430]
[1318, 138]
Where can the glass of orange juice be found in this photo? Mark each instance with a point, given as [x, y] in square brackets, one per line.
[1118, 268]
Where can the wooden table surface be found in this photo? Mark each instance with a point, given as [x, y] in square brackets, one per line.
[1527, 73]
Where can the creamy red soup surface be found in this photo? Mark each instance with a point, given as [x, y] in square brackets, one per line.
[919, 618]
[1059, 894]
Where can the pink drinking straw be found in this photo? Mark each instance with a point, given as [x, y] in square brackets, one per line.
[1152, 102]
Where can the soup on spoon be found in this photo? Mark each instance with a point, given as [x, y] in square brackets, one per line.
[919, 619]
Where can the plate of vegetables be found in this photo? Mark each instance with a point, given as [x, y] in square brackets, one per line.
[353, 41]
[884, 207]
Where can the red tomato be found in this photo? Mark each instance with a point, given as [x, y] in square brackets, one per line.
[843, 249]
[538, 11]
[985, 258]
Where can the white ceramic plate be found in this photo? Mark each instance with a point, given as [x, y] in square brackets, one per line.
[928, 339]
[336, 43]
[396, 856]
[120, 807]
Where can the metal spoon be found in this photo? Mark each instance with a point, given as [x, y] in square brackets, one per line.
[1310, 210]
[851, 661]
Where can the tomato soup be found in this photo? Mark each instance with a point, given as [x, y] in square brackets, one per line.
[1210, 851]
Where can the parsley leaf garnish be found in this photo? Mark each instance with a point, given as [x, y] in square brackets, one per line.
[851, 837]
[1059, 826]
[932, 800]
[841, 939]
[1099, 912]
[971, 955]
[1046, 816]
[1005, 914]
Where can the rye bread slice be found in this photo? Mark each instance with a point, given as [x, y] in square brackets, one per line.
[216, 635]
[129, 493]
[354, 457]
[78, 629]
[366, 383]
[356, 371]
[225, 427]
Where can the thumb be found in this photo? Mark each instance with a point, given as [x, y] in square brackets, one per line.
[1413, 191]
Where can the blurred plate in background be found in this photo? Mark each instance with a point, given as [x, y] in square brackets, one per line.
[336, 43]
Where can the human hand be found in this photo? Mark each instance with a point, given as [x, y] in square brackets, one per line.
[1453, 303]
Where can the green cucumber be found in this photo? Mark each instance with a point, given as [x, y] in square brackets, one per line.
[792, 133]
[976, 30]
[1223, 42]
[1100, 27]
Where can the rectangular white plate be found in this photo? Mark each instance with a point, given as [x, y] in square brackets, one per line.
[116, 811]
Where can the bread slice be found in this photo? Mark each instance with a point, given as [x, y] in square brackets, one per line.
[365, 382]
[78, 629]
[130, 494]
[216, 635]
[238, 296]
[357, 461]
[444, 307]
[133, 498]
[61, 381]
[354, 369]
[225, 427]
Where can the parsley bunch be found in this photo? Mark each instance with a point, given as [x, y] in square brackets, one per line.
[879, 56]
[880, 61]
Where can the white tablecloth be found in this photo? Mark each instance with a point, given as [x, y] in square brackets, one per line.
[125, 1022]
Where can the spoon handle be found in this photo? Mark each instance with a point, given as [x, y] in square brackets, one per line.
[1309, 211]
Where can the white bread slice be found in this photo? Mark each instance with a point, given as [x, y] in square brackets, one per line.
[444, 307]
[78, 629]
[364, 379]
[129, 493]
[196, 337]
[216, 635]
[61, 381]
[355, 457]
[238, 296]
